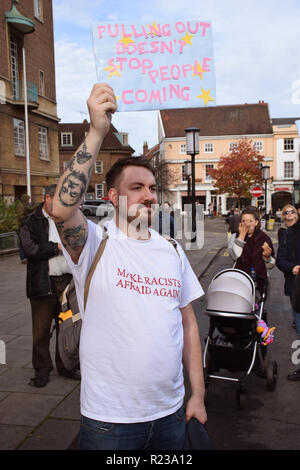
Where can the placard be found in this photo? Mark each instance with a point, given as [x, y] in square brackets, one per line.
[156, 66]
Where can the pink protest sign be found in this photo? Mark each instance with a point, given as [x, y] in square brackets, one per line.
[158, 65]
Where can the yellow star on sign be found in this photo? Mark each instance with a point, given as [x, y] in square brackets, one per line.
[125, 40]
[188, 38]
[205, 96]
[154, 30]
[199, 72]
[113, 70]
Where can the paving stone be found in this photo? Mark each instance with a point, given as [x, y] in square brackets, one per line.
[53, 434]
[17, 380]
[21, 342]
[3, 395]
[10, 325]
[26, 409]
[17, 357]
[69, 408]
[11, 436]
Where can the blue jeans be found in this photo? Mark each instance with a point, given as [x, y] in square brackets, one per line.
[166, 433]
[296, 316]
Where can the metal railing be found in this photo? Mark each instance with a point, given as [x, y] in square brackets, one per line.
[9, 241]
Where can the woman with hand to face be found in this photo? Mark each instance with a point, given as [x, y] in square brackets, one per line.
[251, 247]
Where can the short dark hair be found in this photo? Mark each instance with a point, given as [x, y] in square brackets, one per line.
[116, 170]
[50, 190]
[252, 210]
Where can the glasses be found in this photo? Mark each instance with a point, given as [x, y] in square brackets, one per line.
[289, 212]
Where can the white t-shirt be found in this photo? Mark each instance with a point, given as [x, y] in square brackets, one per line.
[132, 336]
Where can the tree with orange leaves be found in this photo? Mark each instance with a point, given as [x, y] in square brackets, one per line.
[238, 170]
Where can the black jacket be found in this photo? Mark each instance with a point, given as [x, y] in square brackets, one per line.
[34, 235]
[288, 255]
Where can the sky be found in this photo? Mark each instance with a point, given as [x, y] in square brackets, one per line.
[256, 53]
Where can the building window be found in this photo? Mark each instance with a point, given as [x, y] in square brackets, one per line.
[41, 83]
[288, 169]
[207, 175]
[258, 146]
[19, 137]
[183, 149]
[66, 139]
[232, 145]
[288, 144]
[65, 165]
[99, 190]
[208, 148]
[38, 10]
[43, 143]
[99, 167]
[14, 67]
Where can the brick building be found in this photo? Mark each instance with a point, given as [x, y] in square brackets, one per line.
[114, 146]
[26, 29]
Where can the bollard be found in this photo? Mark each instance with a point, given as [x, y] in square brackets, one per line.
[2, 352]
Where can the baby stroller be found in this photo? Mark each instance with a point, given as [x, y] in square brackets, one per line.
[233, 342]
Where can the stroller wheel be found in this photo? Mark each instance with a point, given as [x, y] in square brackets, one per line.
[241, 398]
[271, 374]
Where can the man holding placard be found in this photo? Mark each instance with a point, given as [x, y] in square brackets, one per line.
[139, 327]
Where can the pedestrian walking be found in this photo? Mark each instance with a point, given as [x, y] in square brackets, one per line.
[289, 217]
[48, 274]
[166, 221]
[24, 208]
[251, 247]
[288, 261]
[138, 324]
[234, 221]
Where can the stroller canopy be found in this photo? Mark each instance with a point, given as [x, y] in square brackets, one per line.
[231, 291]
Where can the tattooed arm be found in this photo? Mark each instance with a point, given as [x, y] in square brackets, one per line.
[71, 223]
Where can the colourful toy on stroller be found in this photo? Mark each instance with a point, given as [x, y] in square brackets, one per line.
[238, 335]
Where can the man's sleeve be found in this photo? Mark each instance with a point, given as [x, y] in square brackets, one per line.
[36, 251]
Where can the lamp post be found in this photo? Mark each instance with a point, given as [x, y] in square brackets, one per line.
[265, 174]
[192, 148]
[187, 174]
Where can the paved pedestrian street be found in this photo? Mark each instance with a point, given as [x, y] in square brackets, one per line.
[48, 418]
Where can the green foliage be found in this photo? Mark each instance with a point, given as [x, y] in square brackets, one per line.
[8, 216]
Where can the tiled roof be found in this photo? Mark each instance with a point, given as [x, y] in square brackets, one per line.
[111, 141]
[282, 121]
[243, 119]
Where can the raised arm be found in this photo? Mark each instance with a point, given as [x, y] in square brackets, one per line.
[71, 223]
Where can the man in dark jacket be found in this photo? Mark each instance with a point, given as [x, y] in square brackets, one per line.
[47, 276]
[288, 261]
[234, 221]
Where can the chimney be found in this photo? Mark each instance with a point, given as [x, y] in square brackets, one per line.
[145, 149]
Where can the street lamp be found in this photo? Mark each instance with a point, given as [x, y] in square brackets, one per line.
[192, 148]
[265, 174]
[24, 26]
[187, 174]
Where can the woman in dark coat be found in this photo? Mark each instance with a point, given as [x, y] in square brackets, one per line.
[288, 261]
[251, 247]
